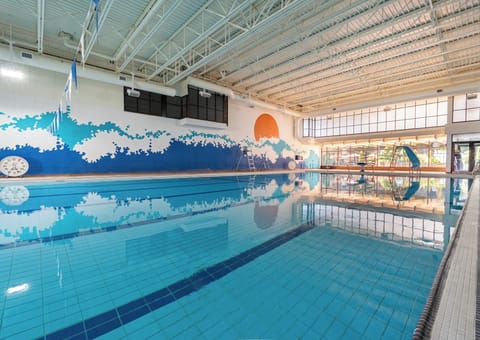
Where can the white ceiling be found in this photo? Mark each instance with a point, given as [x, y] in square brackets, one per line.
[309, 56]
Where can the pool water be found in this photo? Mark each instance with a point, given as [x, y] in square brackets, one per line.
[269, 256]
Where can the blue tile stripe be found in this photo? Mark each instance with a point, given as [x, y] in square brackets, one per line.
[112, 319]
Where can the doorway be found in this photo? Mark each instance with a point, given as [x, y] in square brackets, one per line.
[466, 156]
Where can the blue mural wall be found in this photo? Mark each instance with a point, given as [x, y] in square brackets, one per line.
[58, 142]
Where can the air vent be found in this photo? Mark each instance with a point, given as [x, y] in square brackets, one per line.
[123, 78]
[27, 55]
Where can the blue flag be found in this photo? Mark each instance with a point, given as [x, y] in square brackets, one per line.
[74, 73]
[96, 2]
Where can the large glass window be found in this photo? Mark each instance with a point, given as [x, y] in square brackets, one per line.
[306, 127]
[411, 115]
[431, 153]
[466, 107]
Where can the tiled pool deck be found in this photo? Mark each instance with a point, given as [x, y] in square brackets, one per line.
[456, 315]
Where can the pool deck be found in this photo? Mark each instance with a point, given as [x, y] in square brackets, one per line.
[457, 309]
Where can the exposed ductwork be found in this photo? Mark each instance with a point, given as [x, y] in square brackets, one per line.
[58, 65]
[32, 59]
[202, 84]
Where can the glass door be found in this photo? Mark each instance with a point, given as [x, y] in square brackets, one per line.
[476, 155]
[466, 156]
[461, 156]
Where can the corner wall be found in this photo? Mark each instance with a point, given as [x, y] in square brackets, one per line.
[95, 135]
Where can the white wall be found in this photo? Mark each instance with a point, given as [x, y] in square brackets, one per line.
[98, 133]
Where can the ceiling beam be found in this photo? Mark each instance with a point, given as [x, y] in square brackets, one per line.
[284, 10]
[274, 49]
[149, 12]
[101, 21]
[438, 29]
[294, 22]
[154, 58]
[164, 10]
[40, 24]
[331, 45]
[427, 88]
[339, 59]
[305, 59]
[379, 65]
[417, 82]
[188, 37]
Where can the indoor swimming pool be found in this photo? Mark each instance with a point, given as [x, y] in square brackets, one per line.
[278, 256]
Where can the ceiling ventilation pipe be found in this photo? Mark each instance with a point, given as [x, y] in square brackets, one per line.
[57, 65]
[203, 84]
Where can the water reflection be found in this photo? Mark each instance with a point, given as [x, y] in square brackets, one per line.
[265, 214]
[411, 193]
[67, 210]
[13, 195]
[413, 209]
[459, 192]
[54, 210]
[403, 188]
[393, 225]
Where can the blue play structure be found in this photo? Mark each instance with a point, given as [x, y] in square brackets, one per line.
[412, 156]
[401, 192]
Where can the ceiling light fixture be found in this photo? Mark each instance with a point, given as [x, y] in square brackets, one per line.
[11, 73]
[9, 70]
[132, 92]
[204, 93]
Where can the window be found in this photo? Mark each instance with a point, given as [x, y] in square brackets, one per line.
[459, 116]
[424, 113]
[193, 105]
[174, 107]
[466, 107]
[306, 127]
[473, 114]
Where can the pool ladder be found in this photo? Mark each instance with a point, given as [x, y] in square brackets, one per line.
[250, 159]
[251, 162]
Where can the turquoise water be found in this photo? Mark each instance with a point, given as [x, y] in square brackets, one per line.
[280, 256]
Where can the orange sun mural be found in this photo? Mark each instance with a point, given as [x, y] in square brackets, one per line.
[265, 127]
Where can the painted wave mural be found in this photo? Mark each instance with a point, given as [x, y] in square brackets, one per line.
[55, 143]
